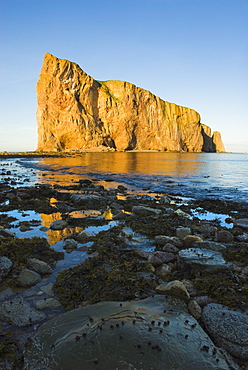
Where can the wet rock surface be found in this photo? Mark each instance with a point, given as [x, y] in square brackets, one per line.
[155, 333]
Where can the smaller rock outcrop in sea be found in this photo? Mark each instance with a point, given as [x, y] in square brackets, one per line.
[76, 112]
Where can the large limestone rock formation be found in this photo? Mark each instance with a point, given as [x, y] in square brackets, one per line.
[76, 112]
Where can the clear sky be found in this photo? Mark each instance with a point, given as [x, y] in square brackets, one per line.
[190, 52]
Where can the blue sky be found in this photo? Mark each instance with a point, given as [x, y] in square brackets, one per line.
[190, 52]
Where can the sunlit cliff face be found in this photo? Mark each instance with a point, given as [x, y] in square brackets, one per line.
[75, 112]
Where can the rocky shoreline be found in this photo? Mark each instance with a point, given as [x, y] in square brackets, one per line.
[152, 250]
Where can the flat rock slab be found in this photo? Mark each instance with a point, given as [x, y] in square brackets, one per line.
[17, 312]
[228, 328]
[214, 246]
[145, 211]
[154, 333]
[203, 257]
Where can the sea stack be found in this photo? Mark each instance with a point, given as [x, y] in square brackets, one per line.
[77, 113]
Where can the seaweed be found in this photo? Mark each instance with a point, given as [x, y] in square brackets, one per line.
[20, 249]
[114, 274]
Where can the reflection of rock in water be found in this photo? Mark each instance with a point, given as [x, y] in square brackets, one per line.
[154, 333]
[55, 236]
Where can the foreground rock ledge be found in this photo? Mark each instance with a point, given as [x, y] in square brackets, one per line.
[76, 112]
[154, 333]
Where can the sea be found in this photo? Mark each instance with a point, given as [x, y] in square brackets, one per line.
[191, 175]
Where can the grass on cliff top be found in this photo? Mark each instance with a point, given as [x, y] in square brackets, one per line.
[107, 90]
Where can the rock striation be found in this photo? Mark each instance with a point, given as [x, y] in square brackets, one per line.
[76, 112]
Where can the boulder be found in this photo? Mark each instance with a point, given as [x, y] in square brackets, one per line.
[5, 267]
[69, 244]
[224, 236]
[83, 237]
[163, 239]
[17, 312]
[58, 225]
[189, 240]
[205, 258]
[207, 230]
[39, 266]
[227, 328]
[28, 278]
[158, 258]
[170, 248]
[175, 288]
[154, 333]
[181, 232]
[91, 201]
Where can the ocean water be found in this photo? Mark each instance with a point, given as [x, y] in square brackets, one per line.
[195, 175]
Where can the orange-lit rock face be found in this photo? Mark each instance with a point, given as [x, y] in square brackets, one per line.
[76, 112]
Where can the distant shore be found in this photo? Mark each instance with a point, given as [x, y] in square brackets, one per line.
[37, 154]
